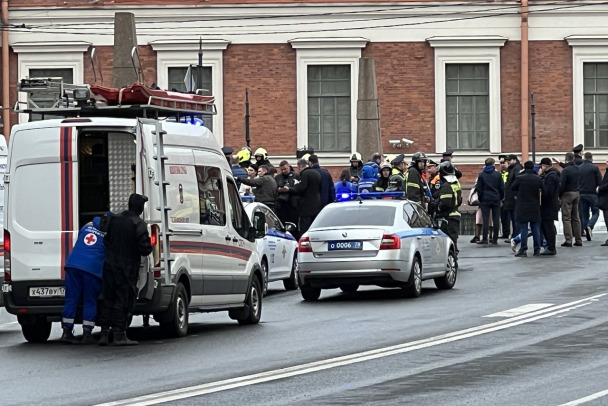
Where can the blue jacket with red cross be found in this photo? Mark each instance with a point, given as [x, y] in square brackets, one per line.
[89, 251]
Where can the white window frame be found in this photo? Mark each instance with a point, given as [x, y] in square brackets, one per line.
[49, 55]
[467, 50]
[179, 54]
[326, 51]
[585, 48]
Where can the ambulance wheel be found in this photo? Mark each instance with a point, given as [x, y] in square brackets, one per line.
[176, 322]
[253, 311]
[35, 329]
[291, 283]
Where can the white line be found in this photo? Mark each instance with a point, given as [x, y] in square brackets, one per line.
[520, 310]
[586, 399]
[296, 370]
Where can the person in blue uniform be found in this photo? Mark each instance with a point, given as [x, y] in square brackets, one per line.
[83, 276]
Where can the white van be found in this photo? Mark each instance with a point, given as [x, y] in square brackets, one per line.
[3, 154]
[62, 172]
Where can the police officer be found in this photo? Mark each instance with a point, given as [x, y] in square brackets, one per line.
[447, 200]
[83, 270]
[126, 241]
[396, 182]
[414, 185]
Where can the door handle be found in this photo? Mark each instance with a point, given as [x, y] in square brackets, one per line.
[235, 239]
[433, 237]
[227, 238]
[419, 238]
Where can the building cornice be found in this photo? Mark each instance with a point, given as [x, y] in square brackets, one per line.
[587, 40]
[51, 46]
[189, 45]
[467, 41]
[325, 43]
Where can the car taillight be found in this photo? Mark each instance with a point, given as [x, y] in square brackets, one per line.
[7, 256]
[154, 231]
[390, 242]
[304, 245]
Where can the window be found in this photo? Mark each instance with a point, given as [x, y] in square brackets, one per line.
[211, 196]
[359, 215]
[329, 108]
[595, 88]
[467, 106]
[411, 216]
[238, 216]
[48, 99]
[177, 82]
[272, 221]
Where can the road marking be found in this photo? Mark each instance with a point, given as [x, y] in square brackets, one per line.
[520, 310]
[247, 380]
[586, 399]
[8, 324]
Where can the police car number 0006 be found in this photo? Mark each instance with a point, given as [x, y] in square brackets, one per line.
[344, 245]
[40, 291]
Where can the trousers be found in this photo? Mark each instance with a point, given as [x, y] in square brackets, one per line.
[119, 290]
[80, 287]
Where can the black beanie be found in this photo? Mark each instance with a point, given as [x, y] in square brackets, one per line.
[529, 165]
[136, 203]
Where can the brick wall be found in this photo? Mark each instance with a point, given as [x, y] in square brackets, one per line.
[102, 3]
[510, 85]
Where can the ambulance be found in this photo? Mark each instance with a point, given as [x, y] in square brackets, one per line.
[3, 153]
[86, 160]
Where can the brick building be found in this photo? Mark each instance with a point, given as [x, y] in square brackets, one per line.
[449, 74]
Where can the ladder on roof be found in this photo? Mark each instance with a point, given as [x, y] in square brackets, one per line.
[48, 92]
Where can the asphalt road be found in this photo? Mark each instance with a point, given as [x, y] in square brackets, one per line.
[514, 331]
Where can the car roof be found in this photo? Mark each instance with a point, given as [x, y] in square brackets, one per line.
[374, 202]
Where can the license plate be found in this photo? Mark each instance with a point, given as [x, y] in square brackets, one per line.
[41, 291]
[344, 245]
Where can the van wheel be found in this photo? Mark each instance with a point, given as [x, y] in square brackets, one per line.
[291, 283]
[448, 280]
[265, 273]
[176, 324]
[35, 329]
[310, 294]
[253, 311]
[414, 287]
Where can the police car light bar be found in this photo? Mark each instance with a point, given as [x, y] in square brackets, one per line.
[342, 197]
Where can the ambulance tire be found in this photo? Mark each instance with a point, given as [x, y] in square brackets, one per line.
[175, 320]
[35, 329]
[253, 310]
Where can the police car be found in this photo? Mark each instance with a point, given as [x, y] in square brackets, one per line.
[277, 248]
[387, 243]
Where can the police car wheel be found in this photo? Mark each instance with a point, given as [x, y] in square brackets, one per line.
[291, 283]
[449, 279]
[176, 325]
[414, 287]
[35, 329]
[265, 273]
[310, 294]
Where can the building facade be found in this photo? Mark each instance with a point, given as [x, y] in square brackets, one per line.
[450, 75]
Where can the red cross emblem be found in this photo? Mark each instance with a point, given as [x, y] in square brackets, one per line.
[90, 239]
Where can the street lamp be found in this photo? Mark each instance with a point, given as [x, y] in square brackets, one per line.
[533, 113]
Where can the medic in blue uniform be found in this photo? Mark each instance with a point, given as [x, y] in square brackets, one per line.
[83, 273]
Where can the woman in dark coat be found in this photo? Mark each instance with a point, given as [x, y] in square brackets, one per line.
[528, 187]
[602, 191]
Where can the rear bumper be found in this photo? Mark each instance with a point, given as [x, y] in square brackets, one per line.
[18, 302]
[327, 275]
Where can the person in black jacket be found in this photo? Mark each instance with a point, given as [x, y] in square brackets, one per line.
[328, 191]
[286, 202]
[509, 203]
[126, 241]
[549, 205]
[602, 192]
[590, 179]
[490, 191]
[569, 197]
[528, 186]
[309, 192]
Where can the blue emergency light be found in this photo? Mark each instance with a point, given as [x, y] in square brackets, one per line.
[343, 197]
[247, 198]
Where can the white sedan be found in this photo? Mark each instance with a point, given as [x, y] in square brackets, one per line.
[278, 248]
[388, 243]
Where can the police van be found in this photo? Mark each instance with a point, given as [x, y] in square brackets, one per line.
[61, 172]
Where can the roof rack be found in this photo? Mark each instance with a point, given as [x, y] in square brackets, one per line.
[51, 98]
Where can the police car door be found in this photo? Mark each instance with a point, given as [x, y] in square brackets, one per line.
[275, 239]
[421, 234]
[436, 243]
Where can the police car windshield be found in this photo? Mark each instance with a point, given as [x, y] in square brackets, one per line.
[359, 215]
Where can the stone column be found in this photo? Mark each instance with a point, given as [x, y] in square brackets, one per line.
[125, 38]
[369, 139]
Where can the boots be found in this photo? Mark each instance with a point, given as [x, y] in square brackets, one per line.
[120, 339]
[68, 336]
[104, 336]
[87, 337]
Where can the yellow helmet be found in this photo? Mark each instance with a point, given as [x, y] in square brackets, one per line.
[244, 155]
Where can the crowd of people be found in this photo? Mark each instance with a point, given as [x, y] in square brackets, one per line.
[515, 201]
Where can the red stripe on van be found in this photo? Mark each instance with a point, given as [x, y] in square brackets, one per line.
[67, 201]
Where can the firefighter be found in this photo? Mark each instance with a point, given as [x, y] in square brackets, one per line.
[397, 179]
[126, 241]
[414, 185]
[447, 200]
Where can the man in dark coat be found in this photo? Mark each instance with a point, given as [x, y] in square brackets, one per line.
[509, 203]
[549, 205]
[569, 197]
[590, 179]
[266, 190]
[287, 203]
[528, 187]
[126, 241]
[328, 191]
[309, 192]
[490, 190]
[602, 192]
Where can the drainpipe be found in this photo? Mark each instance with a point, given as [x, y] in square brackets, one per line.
[524, 81]
[6, 115]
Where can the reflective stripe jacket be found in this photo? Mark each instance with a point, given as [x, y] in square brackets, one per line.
[450, 199]
[414, 186]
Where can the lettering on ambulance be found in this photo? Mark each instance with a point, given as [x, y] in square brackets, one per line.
[67, 202]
